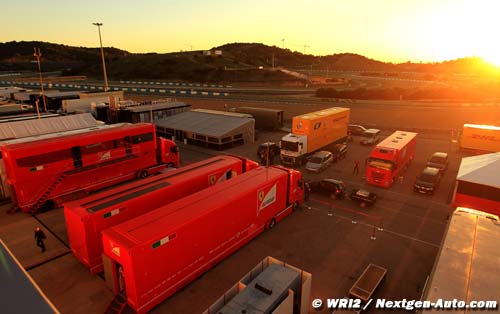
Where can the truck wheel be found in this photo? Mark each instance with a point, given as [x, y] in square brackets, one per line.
[143, 174]
[271, 224]
[295, 206]
[170, 165]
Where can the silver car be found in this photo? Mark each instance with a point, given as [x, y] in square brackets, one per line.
[370, 137]
[319, 161]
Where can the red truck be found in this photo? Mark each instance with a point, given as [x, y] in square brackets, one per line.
[47, 170]
[152, 256]
[390, 158]
[86, 218]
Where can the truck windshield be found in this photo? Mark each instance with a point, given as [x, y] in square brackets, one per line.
[380, 164]
[368, 135]
[291, 146]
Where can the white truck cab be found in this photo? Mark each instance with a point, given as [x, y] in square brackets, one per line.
[293, 149]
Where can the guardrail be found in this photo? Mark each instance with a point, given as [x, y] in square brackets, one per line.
[174, 84]
[148, 90]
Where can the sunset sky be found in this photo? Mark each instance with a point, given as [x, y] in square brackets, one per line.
[387, 30]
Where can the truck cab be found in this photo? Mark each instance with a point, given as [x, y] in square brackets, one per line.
[293, 149]
[295, 187]
[167, 152]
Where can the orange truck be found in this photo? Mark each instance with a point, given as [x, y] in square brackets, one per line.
[484, 138]
[312, 132]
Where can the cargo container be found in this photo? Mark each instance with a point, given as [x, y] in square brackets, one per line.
[47, 170]
[85, 104]
[152, 256]
[86, 218]
[297, 300]
[481, 138]
[466, 263]
[265, 293]
[265, 118]
[390, 158]
[312, 132]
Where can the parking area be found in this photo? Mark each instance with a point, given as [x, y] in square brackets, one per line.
[332, 239]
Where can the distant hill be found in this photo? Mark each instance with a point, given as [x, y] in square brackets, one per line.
[239, 62]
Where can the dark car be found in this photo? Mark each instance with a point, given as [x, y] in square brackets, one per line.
[355, 129]
[363, 197]
[266, 148]
[428, 181]
[335, 189]
[339, 151]
[438, 160]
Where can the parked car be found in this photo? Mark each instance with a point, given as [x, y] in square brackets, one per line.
[339, 151]
[268, 147]
[438, 160]
[428, 181]
[370, 137]
[355, 129]
[335, 189]
[319, 161]
[363, 197]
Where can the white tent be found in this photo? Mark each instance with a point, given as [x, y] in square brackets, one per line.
[482, 169]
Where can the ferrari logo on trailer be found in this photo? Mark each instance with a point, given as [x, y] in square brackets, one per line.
[268, 199]
[212, 179]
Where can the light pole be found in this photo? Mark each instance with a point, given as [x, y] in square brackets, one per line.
[38, 54]
[106, 87]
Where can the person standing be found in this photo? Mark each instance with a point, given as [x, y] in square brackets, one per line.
[307, 191]
[39, 237]
[356, 168]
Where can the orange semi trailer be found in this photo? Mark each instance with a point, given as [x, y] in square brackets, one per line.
[86, 218]
[47, 170]
[390, 158]
[152, 256]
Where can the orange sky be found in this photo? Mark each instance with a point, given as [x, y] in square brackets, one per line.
[387, 30]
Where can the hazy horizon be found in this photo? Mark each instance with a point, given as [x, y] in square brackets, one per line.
[385, 30]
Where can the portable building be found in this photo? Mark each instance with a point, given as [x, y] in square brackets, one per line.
[210, 128]
[478, 183]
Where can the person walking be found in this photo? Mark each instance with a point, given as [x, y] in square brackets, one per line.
[39, 237]
[356, 168]
[307, 191]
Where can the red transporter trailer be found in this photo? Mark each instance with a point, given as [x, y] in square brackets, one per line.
[390, 158]
[46, 170]
[154, 255]
[86, 218]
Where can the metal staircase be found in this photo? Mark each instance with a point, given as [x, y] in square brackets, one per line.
[46, 195]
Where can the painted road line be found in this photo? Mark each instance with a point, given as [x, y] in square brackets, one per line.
[385, 230]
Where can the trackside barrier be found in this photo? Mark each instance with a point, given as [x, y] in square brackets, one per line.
[156, 91]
